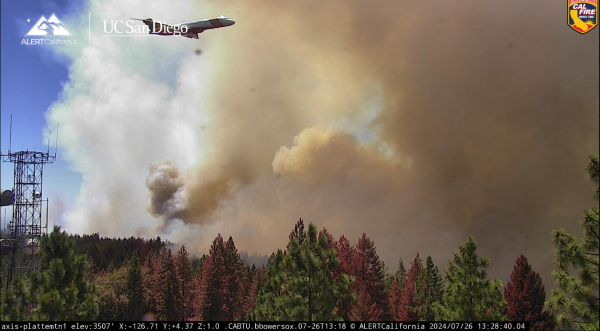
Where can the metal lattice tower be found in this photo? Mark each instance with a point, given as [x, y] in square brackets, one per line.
[26, 228]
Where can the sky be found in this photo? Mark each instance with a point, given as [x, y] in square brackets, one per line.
[31, 81]
[418, 123]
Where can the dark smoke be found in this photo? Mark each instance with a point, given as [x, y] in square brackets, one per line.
[493, 105]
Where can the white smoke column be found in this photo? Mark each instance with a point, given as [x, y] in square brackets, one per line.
[128, 103]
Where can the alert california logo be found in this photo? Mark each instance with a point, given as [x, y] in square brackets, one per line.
[582, 16]
[51, 27]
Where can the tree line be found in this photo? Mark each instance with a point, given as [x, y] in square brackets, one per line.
[315, 278]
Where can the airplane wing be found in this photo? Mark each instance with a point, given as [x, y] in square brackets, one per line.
[193, 35]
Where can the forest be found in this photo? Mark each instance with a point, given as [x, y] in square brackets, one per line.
[316, 277]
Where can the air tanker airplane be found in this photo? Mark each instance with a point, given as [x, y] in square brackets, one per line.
[188, 29]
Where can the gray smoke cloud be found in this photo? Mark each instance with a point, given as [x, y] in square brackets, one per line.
[417, 123]
[165, 182]
[176, 195]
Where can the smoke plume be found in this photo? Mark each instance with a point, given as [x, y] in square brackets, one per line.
[417, 123]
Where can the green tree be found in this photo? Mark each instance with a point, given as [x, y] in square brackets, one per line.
[271, 300]
[17, 301]
[575, 300]
[300, 283]
[111, 292]
[59, 291]
[470, 296]
[401, 275]
[312, 282]
[298, 233]
[396, 290]
[134, 289]
[432, 290]
[410, 304]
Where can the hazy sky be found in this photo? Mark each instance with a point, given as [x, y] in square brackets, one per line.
[419, 123]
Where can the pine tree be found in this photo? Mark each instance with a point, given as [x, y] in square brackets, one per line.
[135, 289]
[328, 238]
[315, 262]
[401, 275]
[470, 296]
[183, 272]
[575, 301]
[372, 301]
[273, 297]
[525, 295]
[396, 291]
[303, 265]
[394, 297]
[196, 295]
[346, 254]
[60, 291]
[237, 281]
[298, 233]
[151, 283]
[410, 305]
[431, 290]
[218, 287]
[111, 294]
[170, 307]
[388, 278]
[17, 301]
[301, 284]
[258, 278]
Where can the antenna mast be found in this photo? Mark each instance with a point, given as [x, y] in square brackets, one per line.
[10, 139]
[26, 228]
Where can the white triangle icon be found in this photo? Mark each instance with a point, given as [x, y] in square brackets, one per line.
[48, 27]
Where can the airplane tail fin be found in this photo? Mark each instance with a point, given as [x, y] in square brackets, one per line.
[149, 22]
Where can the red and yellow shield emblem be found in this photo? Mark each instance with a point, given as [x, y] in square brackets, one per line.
[582, 16]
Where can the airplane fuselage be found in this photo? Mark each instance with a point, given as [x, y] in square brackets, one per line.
[187, 29]
[212, 23]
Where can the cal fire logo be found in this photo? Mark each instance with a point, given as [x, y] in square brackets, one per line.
[582, 15]
[47, 27]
